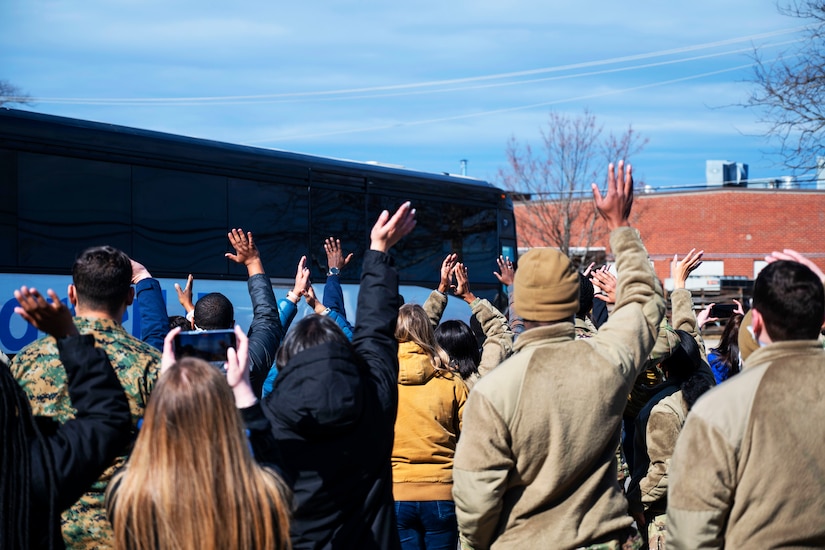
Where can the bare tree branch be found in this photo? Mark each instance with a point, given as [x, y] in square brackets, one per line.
[789, 90]
[11, 94]
[574, 152]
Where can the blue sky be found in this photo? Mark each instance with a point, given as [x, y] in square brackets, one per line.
[421, 84]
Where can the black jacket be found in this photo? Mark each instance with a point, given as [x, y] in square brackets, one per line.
[332, 411]
[265, 332]
[82, 448]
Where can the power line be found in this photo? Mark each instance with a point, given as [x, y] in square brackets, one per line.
[188, 101]
[503, 110]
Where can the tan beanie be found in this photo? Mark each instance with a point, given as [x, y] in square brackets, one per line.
[747, 344]
[546, 286]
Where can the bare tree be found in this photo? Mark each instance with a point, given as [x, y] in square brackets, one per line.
[555, 179]
[11, 94]
[790, 89]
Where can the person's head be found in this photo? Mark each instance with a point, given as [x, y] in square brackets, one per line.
[788, 302]
[728, 347]
[685, 359]
[414, 326]
[101, 281]
[191, 480]
[546, 287]
[458, 340]
[693, 388]
[179, 321]
[214, 311]
[311, 331]
[586, 293]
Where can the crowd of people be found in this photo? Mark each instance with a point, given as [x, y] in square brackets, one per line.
[581, 417]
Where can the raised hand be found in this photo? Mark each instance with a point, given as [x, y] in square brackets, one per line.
[246, 253]
[139, 272]
[301, 280]
[506, 273]
[237, 371]
[794, 256]
[313, 301]
[52, 318]
[185, 294]
[703, 317]
[168, 358]
[335, 256]
[615, 206]
[388, 230]
[739, 309]
[680, 269]
[606, 282]
[447, 266]
[462, 286]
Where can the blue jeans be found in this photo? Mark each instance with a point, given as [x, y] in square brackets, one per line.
[427, 525]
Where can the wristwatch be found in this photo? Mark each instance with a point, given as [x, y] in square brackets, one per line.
[333, 271]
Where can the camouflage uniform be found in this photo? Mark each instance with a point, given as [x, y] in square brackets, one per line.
[39, 372]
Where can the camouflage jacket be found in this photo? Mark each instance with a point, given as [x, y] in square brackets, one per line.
[39, 372]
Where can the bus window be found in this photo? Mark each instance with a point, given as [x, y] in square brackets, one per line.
[466, 229]
[180, 217]
[66, 205]
[276, 213]
[337, 213]
[8, 208]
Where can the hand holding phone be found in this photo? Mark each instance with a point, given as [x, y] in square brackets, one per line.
[209, 345]
[722, 311]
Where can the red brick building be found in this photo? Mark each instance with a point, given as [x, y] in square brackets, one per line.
[736, 227]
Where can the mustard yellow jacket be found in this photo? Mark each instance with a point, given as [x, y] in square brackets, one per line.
[430, 406]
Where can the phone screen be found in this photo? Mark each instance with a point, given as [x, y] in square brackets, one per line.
[209, 345]
[722, 310]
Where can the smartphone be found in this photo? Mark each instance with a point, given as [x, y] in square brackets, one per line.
[209, 345]
[722, 311]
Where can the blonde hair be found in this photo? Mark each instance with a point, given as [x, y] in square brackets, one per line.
[191, 481]
[414, 326]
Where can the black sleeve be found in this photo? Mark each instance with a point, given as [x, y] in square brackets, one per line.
[265, 333]
[83, 447]
[374, 336]
[599, 312]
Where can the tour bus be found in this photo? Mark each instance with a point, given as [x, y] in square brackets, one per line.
[169, 201]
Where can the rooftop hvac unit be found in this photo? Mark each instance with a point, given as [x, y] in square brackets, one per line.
[725, 172]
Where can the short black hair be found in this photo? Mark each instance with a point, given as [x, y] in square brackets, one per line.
[176, 321]
[214, 311]
[102, 277]
[460, 343]
[313, 330]
[693, 388]
[586, 293]
[685, 360]
[790, 299]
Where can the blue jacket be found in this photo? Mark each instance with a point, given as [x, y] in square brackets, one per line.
[150, 310]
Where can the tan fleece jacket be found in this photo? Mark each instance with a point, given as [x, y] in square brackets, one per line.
[663, 427]
[427, 427]
[535, 466]
[749, 466]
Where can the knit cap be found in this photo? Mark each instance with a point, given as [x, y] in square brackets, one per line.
[546, 286]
